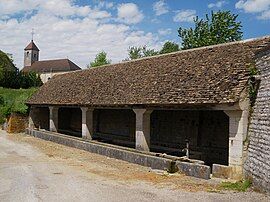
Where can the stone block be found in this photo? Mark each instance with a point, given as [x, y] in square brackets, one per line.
[195, 170]
[221, 171]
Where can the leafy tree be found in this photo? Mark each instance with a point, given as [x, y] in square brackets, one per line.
[134, 53]
[6, 62]
[169, 47]
[140, 52]
[10, 77]
[28, 79]
[8, 70]
[100, 59]
[221, 27]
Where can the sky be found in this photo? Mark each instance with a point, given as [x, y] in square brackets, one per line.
[79, 29]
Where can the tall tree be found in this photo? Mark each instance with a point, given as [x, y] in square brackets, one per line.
[169, 47]
[100, 59]
[140, 52]
[221, 27]
[8, 71]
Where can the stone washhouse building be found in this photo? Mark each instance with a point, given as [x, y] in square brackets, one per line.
[160, 103]
[45, 68]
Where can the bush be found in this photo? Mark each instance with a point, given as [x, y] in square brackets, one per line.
[28, 80]
[13, 101]
[2, 101]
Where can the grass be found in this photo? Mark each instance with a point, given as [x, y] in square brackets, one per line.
[240, 186]
[13, 101]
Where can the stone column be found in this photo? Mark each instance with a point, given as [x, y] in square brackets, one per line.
[87, 123]
[31, 124]
[143, 129]
[54, 119]
[238, 125]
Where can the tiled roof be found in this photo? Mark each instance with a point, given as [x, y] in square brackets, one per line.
[31, 46]
[60, 65]
[209, 75]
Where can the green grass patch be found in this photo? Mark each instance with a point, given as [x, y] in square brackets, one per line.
[13, 101]
[240, 186]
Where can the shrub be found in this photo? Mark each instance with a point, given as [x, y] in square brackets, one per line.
[13, 100]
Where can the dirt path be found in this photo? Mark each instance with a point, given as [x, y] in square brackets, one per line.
[35, 170]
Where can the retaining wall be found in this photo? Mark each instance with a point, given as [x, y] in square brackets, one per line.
[257, 165]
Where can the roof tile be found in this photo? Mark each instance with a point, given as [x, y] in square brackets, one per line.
[60, 65]
[209, 75]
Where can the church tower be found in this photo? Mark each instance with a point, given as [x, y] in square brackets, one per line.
[31, 54]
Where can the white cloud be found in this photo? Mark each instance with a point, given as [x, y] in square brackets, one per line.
[218, 4]
[62, 8]
[76, 33]
[262, 7]
[164, 32]
[184, 16]
[16, 6]
[160, 7]
[129, 13]
[105, 4]
[251, 6]
[265, 15]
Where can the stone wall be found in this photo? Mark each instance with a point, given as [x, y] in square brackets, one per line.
[257, 165]
[48, 75]
[17, 123]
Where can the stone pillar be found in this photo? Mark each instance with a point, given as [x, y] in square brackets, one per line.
[238, 125]
[54, 119]
[31, 124]
[87, 123]
[143, 129]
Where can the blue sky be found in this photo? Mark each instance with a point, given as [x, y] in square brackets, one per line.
[79, 29]
[253, 26]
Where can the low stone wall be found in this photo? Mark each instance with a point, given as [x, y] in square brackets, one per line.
[16, 123]
[195, 170]
[257, 165]
[127, 154]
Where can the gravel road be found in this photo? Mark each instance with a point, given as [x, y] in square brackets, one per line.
[36, 170]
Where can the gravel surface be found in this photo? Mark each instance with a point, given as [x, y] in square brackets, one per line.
[36, 170]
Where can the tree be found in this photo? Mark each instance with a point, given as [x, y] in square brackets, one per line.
[28, 79]
[100, 59]
[222, 27]
[140, 52]
[169, 47]
[8, 71]
[10, 77]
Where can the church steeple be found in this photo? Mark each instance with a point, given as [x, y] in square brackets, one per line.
[31, 54]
